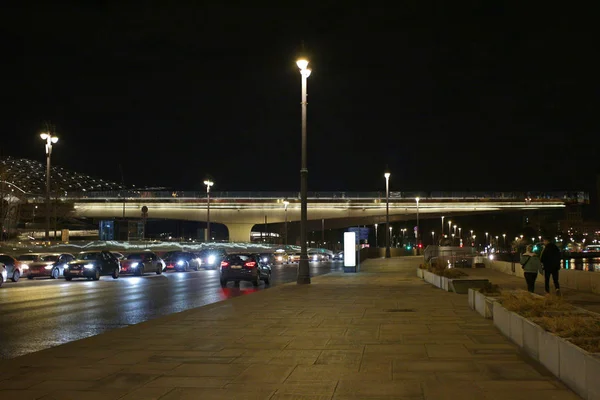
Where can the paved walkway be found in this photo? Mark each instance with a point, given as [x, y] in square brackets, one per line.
[589, 301]
[378, 334]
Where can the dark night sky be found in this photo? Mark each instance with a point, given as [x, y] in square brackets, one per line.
[475, 98]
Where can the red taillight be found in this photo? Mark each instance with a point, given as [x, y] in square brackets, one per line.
[250, 264]
[224, 264]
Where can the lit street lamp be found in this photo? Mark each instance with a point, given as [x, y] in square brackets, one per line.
[504, 239]
[417, 232]
[50, 140]
[387, 214]
[390, 233]
[376, 241]
[432, 237]
[285, 206]
[486, 239]
[208, 184]
[303, 271]
[442, 226]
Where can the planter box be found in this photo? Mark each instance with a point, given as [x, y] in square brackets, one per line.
[461, 286]
[502, 319]
[428, 276]
[592, 374]
[531, 338]
[420, 273]
[444, 283]
[548, 354]
[481, 303]
[516, 328]
[572, 367]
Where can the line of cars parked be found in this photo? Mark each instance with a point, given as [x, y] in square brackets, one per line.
[94, 264]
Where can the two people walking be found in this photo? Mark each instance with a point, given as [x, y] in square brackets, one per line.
[548, 264]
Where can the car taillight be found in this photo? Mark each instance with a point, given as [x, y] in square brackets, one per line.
[224, 264]
[250, 264]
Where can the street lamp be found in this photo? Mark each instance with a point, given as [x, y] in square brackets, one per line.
[50, 140]
[376, 241]
[432, 237]
[460, 233]
[442, 226]
[417, 233]
[486, 238]
[504, 239]
[454, 231]
[390, 232]
[285, 206]
[303, 272]
[387, 214]
[208, 184]
[449, 227]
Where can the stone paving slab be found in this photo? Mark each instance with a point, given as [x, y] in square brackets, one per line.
[378, 334]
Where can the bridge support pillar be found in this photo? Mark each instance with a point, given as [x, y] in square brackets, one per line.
[239, 232]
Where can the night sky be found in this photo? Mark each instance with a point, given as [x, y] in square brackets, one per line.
[484, 97]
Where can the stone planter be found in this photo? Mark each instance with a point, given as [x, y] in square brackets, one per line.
[575, 367]
[481, 303]
[502, 319]
[420, 273]
[530, 338]
[444, 283]
[462, 286]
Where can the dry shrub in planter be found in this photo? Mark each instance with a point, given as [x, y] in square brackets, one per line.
[555, 315]
[490, 289]
[452, 273]
[424, 266]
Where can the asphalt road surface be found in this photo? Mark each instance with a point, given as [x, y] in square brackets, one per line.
[35, 315]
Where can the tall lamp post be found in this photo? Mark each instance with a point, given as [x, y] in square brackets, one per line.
[442, 236]
[208, 184]
[433, 238]
[417, 233]
[387, 214]
[50, 140]
[303, 271]
[376, 241]
[450, 230]
[285, 206]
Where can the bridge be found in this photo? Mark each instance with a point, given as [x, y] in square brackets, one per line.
[240, 211]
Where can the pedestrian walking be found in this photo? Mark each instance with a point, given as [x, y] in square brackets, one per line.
[531, 264]
[550, 258]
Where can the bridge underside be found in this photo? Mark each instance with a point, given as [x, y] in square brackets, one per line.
[240, 217]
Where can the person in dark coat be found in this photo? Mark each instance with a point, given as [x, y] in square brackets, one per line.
[550, 258]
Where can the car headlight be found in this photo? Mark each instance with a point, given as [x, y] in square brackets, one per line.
[315, 258]
[24, 266]
[134, 265]
[265, 259]
[88, 266]
[212, 259]
[48, 267]
[180, 262]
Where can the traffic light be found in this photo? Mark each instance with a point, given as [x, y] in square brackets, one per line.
[420, 246]
[408, 247]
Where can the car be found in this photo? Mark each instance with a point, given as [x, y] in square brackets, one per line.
[318, 257]
[211, 258]
[267, 258]
[3, 274]
[45, 264]
[92, 265]
[294, 258]
[14, 267]
[280, 257]
[118, 255]
[181, 261]
[244, 267]
[339, 256]
[139, 263]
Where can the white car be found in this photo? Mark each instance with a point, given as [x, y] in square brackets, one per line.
[3, 274]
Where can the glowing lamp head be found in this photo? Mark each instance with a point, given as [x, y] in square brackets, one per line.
[44, 136]
[54, 139]
[302, 63]
[387, 175]
[208, 183]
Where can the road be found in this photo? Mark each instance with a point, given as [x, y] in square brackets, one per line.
[35, 315]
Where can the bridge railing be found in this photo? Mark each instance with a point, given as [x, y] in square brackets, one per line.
[570, 197]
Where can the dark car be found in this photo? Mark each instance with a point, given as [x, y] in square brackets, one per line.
[339, 256]
[181, 261]
[45, 264]
[92, 265]
[211, 258]
[139, 263]
[14, 267]
[244, 267]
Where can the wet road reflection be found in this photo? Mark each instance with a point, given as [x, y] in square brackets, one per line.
[38, 314]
